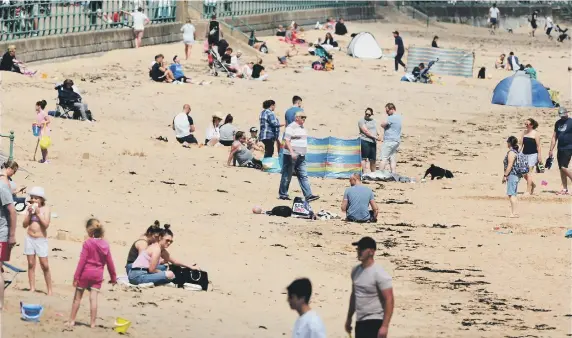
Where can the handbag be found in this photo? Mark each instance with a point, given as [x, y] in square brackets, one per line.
[185, 275]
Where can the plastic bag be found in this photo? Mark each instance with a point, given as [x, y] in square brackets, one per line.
[45, 142]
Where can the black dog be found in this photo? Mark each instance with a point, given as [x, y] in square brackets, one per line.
[482, 73]
[437, 172]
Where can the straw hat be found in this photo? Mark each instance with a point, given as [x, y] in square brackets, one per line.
[218, 115]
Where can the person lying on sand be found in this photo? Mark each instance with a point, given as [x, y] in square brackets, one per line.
[177, 70]
[239, 153]
[357, 200]
[291, 52]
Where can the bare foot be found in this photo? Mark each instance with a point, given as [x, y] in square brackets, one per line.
[532, 189]
[50, 293]
[92, 325]
[513, 216]
[70, 324]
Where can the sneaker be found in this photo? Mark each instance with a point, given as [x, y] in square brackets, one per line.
[285, 198]
[312, 198]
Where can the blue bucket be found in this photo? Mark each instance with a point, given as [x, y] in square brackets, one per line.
[36, 130]
[31, 312]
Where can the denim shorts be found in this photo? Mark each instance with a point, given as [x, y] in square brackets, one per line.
[512, 185]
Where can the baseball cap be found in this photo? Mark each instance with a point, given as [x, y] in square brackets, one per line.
[366, 243]
[396, 32]
[254, 130]
[562, 111]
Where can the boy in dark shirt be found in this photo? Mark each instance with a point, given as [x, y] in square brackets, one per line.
[399, 51]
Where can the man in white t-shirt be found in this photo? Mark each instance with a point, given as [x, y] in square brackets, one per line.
[494, 15]
[548, 25]
[139, 22]
[309, 324]
[184, 127]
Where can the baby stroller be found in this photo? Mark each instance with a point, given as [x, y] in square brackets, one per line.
[424, 76]
[216, 65]
[322, 53]
[562, 34]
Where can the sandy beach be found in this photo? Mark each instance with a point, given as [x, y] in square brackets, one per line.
[460, 267]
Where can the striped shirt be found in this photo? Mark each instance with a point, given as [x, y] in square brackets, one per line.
[298, 138]
[269, 125]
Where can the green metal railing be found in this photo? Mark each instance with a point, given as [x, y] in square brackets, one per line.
[11, 137]
[24, 19]
[234, 8]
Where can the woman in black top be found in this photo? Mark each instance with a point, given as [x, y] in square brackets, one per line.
[530, 148]
[149, 237]
[10, 64]
[434, 43]
[329, 40]
[258, 71]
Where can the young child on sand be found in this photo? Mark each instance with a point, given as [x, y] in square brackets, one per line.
[37, 221]
[95, 254]
[43, 121]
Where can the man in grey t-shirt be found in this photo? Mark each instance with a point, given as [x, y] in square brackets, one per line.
[391, 138]
[357, 200]
[7, 230]
[368, 135]
[372, 294]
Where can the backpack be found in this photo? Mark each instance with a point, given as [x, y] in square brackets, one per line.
[282, 211]
[302, 209]
[520, 165]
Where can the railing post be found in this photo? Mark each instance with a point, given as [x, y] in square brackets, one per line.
[11, 156]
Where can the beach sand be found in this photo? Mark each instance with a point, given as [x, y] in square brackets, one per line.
[460, 267]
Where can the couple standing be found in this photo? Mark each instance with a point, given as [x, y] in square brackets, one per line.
[391, 139]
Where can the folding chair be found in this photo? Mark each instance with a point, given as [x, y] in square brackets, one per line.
[15, 272]
[63, 111]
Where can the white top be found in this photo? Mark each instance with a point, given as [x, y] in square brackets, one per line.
[188, 32]
[494, 12]
[309, 325]
[182, 125]
[549, 23]
[139, 20]
[234, 61]
[298, 138]
[212, 132]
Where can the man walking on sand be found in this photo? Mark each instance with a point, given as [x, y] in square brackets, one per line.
[391, 138]
[295, 148]
[563, 136]
[309, 324]
[399, 51]
[494, 14]
[8, 220]
[372, 294]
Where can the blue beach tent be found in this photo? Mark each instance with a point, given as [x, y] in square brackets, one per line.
[520, 90]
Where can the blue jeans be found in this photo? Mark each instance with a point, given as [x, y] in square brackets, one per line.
[288, 167]
[137, 277]
[159, 267]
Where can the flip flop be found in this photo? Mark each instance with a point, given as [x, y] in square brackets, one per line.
[563, 192]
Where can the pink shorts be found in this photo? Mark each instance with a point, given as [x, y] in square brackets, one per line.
[89, 284]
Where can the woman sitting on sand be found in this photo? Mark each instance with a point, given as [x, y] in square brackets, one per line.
[434, 42]
[227, 131]
[213, 131]
[239, 153]
[149, 237]
[246, 71]
[329, 42]
[146, 269]
[258, 72]
[10, 64]
[500, 62]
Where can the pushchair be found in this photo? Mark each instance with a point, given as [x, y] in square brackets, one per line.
[322, 53]
[562, 34]
[424, 76]
[216, 65]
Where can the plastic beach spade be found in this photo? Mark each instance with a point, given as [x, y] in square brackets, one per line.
[31, 312]
[121, 325]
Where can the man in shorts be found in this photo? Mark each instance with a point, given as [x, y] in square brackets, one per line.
[563, 136]
[494, 14]
[368, 137]
[548, 26]
[391, 138]
[372, 294]
[8, 220]
[139, 22]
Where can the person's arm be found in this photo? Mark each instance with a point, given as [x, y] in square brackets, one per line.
[146, 21]
[154, 261]
[384, 124]
[44, 219]
[81, 263]
[168, 258]
[364, 130]
[344, 206]
[192, 128]
[374, 207]
[511, 158]
[552, 144]
[521, 143]
[273, 121]
[27, 218]
[111, 268]
[351, 311]
[538, 148]
[388, 303]
[173, 123]
[233, 150]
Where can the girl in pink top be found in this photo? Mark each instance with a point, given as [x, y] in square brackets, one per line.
[43, 121]
[95, 254]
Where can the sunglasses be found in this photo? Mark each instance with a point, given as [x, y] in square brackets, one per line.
[169, 241]
[368, 114]
[303, 117]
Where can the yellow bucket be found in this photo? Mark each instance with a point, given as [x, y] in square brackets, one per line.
[121, 325]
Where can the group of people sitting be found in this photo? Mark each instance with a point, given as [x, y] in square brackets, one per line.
[222, 58]
[160, 72]
[512, 63]
[9, 63]
[338, 27]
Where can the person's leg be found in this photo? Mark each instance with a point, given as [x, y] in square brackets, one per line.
[75, 306]
[268, 148]
[372, 156]
[47, 274]
[287, 170]
[140, 38]
[31, 271]
[187, 51]
[93, 305]
[302, 173]
[82, 109]
[158, 278]
[564, 178]
[368, 328]
[563, 159]
[364, 152]
[512, 191]
[393, 156]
